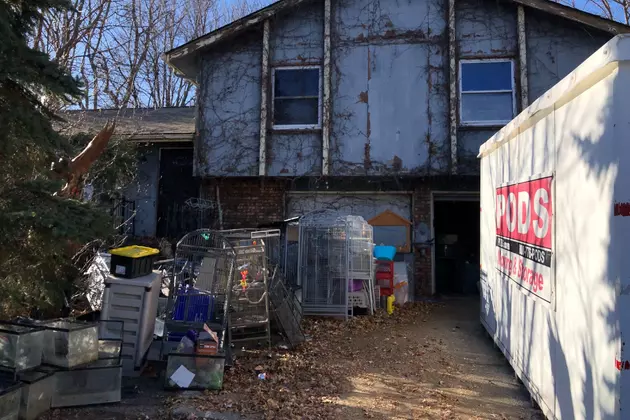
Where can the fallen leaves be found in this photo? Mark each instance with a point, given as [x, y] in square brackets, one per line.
[306, 383]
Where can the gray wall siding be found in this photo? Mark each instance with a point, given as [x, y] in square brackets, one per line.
[294, 154]
[389, 96]
[296, 38]
[486, 29]
[554, 50]
[389, 84]
[229, 115]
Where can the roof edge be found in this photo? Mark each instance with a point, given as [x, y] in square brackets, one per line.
[172, 56]
[576, 15]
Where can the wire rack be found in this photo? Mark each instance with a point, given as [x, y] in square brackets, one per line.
[334, 258]
[286, 309]
[199, 292]
[256, 251]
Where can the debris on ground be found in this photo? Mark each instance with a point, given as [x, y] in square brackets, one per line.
[400, 366]
[307, 382]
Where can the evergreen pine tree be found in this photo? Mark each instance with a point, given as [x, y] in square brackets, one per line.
[39, 232]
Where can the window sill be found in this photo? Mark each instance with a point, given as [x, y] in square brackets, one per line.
[484, 125]
[295, 129]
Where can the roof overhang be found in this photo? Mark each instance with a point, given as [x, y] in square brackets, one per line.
[576, 15]
[184, 60]
[158, 138]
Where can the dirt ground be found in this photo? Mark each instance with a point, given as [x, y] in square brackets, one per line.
[427, 361]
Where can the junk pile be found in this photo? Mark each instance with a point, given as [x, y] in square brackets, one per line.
[226, 291]
[222, 290]
[56, 363]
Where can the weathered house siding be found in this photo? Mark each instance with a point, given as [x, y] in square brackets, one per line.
[394, 111]
[390, 85]
[229, 113]
[555, 50]
[389, 98]
[296, 38]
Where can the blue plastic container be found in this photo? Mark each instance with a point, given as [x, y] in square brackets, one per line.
[384, 252]
[200, 307]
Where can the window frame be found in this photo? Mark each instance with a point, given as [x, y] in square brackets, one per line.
[486, 123]
[275, 126]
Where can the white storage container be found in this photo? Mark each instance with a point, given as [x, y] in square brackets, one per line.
[133, 301]
[555, 277]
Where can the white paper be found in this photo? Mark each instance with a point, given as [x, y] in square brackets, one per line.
[182, 377]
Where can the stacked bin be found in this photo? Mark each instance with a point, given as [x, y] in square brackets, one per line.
[97, 382]
[70, 343]
[58, 363]
[10, 393]
[133, 301]
[21, 349]
[38, 387]
[85, 359]
[384, 267]
[21, 346]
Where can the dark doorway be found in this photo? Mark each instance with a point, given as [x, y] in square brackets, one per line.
[456, 227]
[176, 186]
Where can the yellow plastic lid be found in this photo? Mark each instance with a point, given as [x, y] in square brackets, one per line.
[134, 251]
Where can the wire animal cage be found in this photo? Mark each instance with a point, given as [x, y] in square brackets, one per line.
[334, 260]
[203, 271]
[257, 252]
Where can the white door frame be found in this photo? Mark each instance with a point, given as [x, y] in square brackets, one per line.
[445, 196]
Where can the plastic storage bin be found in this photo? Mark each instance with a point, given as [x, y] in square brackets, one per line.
[70, 343]
[97, 382]
[384, 252]
[10, 392]
[37, 390]
[134, 302]
[21, 346]
[132, 261]
[192, 306]
[194, 371]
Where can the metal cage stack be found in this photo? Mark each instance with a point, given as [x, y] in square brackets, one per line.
[203, 272]
[259, 290]
[249, 319]
[335, 263]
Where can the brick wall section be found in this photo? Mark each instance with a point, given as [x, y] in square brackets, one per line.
[422, 268]
[248, 202]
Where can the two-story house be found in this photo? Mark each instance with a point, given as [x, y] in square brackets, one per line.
[376, 108]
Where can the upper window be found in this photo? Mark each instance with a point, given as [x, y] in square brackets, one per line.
[486, 92]
[296, 98]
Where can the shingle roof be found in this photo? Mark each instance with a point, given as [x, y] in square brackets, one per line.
[140, 124]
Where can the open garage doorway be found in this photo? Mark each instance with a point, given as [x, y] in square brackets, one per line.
[456, 229]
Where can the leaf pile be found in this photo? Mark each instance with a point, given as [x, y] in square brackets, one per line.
[306, 382]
